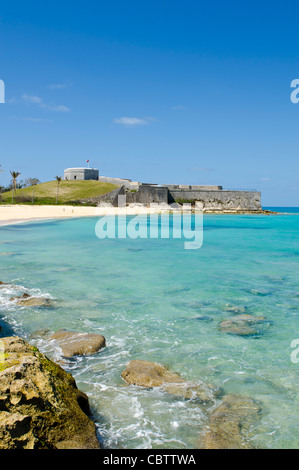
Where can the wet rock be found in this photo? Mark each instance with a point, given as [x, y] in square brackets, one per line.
[244, 325]
[149, 374]
[40, 405]
[24, 296]
[41, 333]
[230, 423]
[27, 301]
[78, 344]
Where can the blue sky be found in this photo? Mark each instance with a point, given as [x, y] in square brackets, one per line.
[186, 92]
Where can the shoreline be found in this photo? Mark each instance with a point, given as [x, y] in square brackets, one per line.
[19, 213]
[183, 295]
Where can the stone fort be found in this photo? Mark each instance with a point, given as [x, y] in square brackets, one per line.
[213, 198]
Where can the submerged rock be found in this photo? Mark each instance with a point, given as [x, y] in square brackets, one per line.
[41, 333]
[244, 325]
[149, 374]
[259, 292]
[78, 344]
[10, 253]
[229, 424]
[40, 405]
[235, 308]
[203, 318]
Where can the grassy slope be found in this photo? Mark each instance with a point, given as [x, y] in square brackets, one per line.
[68, 191]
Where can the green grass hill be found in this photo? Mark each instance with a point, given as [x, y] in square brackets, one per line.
[45, 193]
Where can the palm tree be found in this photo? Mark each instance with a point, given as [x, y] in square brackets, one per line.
[58, 179]
[14, 175]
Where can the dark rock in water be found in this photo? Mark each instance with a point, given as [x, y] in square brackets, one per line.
[197, 305]
[178, 290]
[40, 404]
[78, 344]
[244, 325]
[230, 423]
[2, 283]
[202, 318]
[149, 374]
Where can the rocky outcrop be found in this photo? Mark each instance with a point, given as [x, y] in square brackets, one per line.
[27, 301]
[40, 405]
[244, 325]
[230, 423]
[150, 375]
[78, 344]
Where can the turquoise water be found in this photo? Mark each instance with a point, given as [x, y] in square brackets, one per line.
[148, 297]
[285, 210]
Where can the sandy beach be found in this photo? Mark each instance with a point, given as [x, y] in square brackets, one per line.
[11, 214]
[18, 213]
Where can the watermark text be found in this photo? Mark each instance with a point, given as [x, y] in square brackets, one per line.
[165, 221]
[295, 353]
[295, 93]
[2, 91]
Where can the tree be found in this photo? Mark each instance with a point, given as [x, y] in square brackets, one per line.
[14, 175]
[31, 182]
[34, 182]
[58, 179]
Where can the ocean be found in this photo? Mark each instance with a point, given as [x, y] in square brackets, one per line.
[154, 300]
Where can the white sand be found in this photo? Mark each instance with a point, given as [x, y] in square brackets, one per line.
[10, 214]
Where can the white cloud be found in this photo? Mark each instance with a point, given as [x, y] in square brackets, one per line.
[12, 100]
[60, 108]
[130, 121]
[32, 99]
[59, 86]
